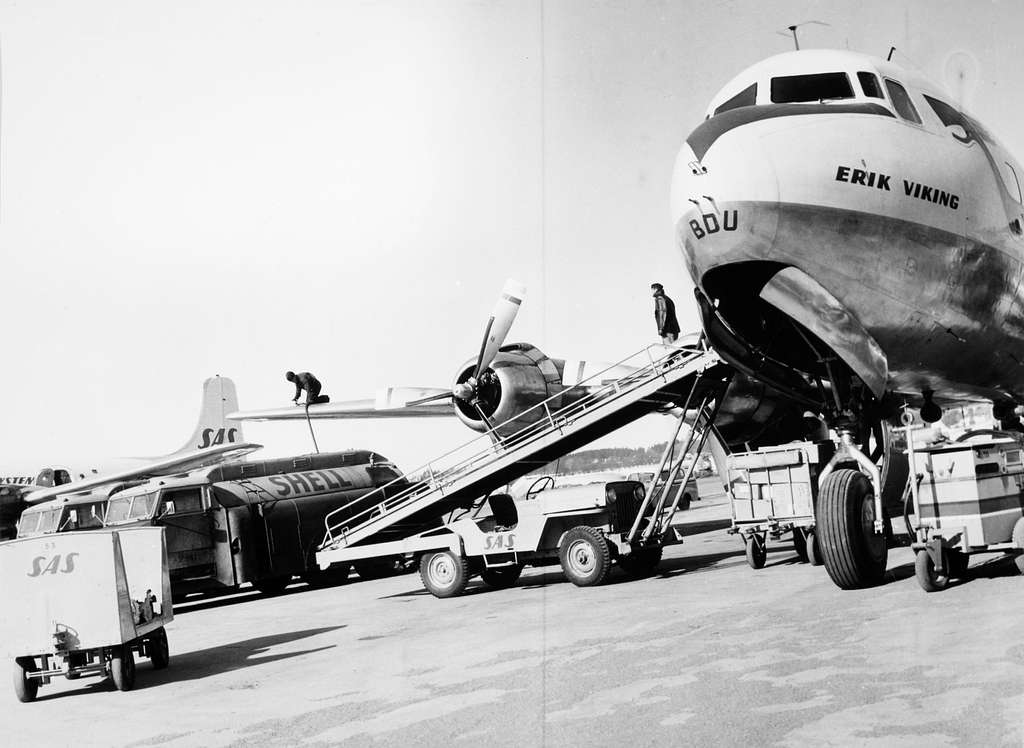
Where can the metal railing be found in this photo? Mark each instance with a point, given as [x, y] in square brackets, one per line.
[652, 362]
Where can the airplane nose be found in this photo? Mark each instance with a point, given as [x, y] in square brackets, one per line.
[725, 197]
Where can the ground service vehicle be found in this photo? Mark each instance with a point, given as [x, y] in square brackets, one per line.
[773, 491]
[258, 522]
[689, 491]
[81, 511]
[968, 501]
[87, 603]
[584, 528]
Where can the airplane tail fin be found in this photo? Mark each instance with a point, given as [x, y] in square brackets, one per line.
[214, 428]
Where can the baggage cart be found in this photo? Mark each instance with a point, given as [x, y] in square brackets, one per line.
[773, 491]
[968, 500]
[84, 603]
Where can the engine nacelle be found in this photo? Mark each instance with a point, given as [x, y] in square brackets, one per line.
[519, 378]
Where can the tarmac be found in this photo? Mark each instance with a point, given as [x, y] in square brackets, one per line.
[707, 652]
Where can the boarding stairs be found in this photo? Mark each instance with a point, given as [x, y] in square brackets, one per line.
[662, 379]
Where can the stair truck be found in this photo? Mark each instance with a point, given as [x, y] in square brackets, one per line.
[87, 603]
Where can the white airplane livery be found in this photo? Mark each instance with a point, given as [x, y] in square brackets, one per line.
[215, 438]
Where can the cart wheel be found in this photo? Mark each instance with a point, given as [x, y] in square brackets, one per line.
[800, 543]
[924, 568]
[684, 503]
[444, 574]
[957, 563]
[853, 553]
[641, 563]
[122, 667]
[504, 576]
[25, 688]
[159, 650]
[757, 550]
[1018, 540]
[813, 551]
[585, 556]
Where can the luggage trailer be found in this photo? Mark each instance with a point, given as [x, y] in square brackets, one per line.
[87, 603]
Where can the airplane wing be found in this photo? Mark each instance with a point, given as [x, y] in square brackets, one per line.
[178, 463]
[391, 402]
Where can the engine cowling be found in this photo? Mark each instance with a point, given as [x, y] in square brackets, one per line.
[520, 378]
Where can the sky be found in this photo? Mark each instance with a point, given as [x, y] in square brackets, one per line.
[243, 188]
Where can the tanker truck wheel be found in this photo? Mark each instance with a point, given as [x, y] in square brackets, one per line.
[25, 688]
[444, 574]
[585, 556]
[854, 555]
[122, 667]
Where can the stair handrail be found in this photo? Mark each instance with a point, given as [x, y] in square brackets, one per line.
[529, 432]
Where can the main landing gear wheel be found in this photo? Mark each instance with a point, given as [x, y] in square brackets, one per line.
[642, 562]
[122, 668]
[444, 574]
[585, 556]
[757, 550]
[159, 650]
[853, 553]
[501, 577]
[927, 577]
[25, 688]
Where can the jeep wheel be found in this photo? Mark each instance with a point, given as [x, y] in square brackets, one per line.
[585, 556]
[642, 562]
[503, 576]
[122, 667]
[25, 688]
[444, 574]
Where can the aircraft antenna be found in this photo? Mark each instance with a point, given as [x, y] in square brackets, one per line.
[792, 30]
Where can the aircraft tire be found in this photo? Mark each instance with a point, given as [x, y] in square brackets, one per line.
[25, 688]
[924, 570]
[854, 555]
[641, 563]
[585, 556]
[800, 543]
[757, 550]
[122, 668]
[502, 577]
[1018, 540]
[159, 650]
[444, 574]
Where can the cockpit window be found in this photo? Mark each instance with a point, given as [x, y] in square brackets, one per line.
[901, 101]
[818, 87]
[869, 84]
[746, 97]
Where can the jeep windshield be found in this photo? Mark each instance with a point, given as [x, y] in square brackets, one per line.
[122, 509]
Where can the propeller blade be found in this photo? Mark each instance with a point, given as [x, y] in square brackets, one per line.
[487, 422]
[500, 323]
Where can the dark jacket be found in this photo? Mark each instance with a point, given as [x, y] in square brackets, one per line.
[306, 381]
[665, 315]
